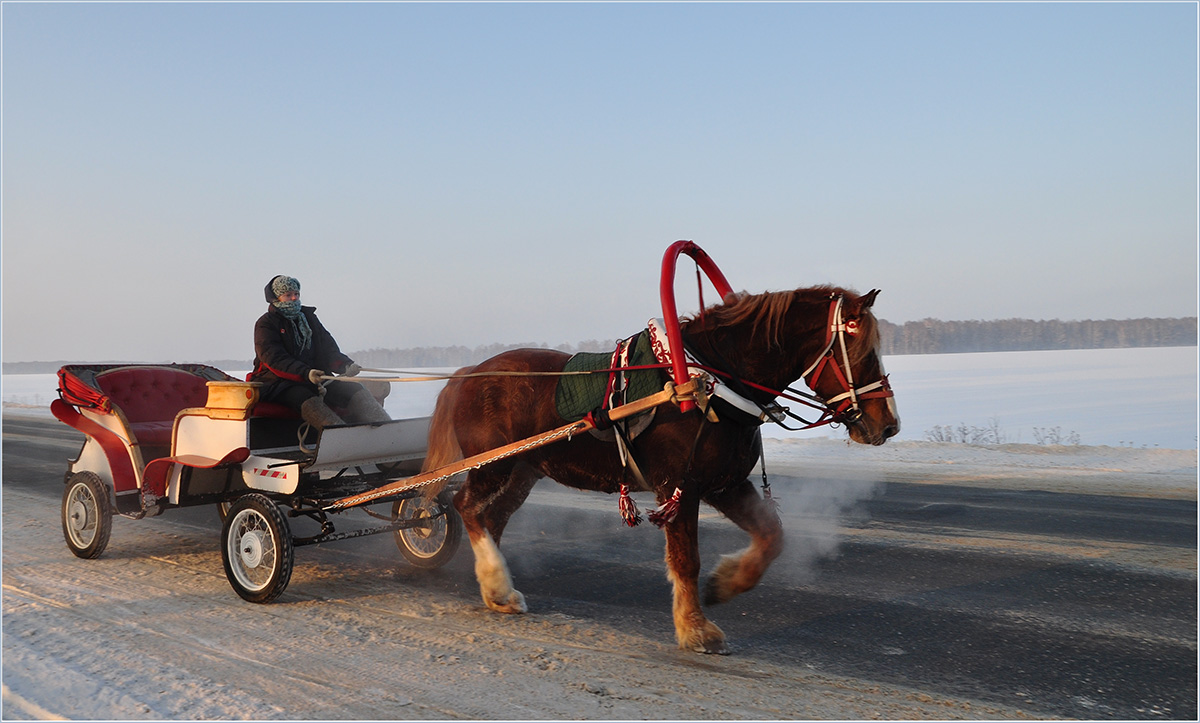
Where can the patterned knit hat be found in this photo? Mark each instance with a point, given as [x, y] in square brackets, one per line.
[280, 285]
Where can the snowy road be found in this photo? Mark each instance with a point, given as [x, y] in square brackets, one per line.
[915, 589]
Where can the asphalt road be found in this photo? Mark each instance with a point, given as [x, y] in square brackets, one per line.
[1061, 605]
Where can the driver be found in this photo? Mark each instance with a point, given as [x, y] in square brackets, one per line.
[291, 351]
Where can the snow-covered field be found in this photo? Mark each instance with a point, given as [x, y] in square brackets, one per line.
[1134, 411]
[1108, 397]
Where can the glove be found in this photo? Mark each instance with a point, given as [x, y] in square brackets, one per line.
[314, 376]
[352, 370]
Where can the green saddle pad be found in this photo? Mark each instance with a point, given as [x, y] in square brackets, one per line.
[579, 394]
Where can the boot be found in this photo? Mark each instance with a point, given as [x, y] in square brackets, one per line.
[318, 414]
[363, 408]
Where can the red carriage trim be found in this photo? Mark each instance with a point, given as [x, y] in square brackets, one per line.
[125, 477]
[154, 479]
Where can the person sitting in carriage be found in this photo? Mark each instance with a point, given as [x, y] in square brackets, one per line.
[293, 351]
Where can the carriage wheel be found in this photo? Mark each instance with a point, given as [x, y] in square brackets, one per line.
[435, 542]
[86, 515]
[256, 547]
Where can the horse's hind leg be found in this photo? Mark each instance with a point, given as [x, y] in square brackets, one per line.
[485, 503]
[741, 571]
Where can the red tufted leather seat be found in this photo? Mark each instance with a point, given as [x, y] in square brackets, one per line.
[150, 397]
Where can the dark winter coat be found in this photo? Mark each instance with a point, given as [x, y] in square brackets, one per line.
[277, 356]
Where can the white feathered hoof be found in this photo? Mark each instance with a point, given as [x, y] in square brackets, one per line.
[514, 602]
[707, 639]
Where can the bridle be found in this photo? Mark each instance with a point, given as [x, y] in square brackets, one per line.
[843, 408]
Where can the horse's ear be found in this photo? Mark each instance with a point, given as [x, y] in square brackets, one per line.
[868, 299]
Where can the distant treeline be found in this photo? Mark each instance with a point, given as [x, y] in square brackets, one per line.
[929, 336]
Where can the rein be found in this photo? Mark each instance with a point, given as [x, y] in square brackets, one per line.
[434, 377]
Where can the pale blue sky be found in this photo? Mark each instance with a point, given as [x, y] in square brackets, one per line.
[440, 174]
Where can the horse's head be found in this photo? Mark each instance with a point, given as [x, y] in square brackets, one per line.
[848, 376]
[827, 336]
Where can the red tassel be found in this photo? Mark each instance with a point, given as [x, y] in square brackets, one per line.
[629, 509]
[667, 511]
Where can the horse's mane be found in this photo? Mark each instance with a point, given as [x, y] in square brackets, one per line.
[767, 312]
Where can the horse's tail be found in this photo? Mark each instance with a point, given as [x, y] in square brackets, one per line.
[443, 448]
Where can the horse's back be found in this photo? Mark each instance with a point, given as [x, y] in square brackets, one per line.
[501, 400]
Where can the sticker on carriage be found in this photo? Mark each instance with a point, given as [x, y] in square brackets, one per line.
[270, 475]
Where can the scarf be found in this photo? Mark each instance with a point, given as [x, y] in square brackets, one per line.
[291, 312]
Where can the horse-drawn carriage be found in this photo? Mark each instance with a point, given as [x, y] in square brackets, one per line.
[161, 436]
[174, 435]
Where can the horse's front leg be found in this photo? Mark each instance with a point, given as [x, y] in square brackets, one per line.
[485, 504]
[737, 573]
[692, 629]
[491, 570]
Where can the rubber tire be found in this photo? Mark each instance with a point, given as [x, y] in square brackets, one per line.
[257, 549]
[428, 549]
[86, 506]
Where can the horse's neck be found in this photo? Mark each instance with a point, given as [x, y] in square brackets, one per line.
[740, 352]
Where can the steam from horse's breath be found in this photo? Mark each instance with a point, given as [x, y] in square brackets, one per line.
[813, 510]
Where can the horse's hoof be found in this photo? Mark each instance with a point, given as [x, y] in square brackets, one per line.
[711, 647]
[514, 603]
[708, 640]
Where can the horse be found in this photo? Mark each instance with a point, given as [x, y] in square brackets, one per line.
[758, 343]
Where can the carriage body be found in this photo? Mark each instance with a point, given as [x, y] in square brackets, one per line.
[161, 436]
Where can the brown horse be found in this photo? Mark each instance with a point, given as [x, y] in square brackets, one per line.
[768, 341]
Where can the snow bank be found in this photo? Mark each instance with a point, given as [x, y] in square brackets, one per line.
[1081, 469]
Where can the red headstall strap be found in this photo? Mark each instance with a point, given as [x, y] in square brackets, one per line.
[845, 406]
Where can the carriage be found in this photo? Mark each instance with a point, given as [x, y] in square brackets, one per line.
[163, 436]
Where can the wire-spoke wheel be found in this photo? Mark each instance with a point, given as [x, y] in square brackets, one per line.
[257, 549]
[434, 541]
[86, 515]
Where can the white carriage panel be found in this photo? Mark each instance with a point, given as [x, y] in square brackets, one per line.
[173, 483]
[96, 460]
[214, 438]
[92, 459]
[397, 440]
[270, 475]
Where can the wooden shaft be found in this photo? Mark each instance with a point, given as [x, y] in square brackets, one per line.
[670, 393]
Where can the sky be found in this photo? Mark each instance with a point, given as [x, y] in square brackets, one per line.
[442, 174]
